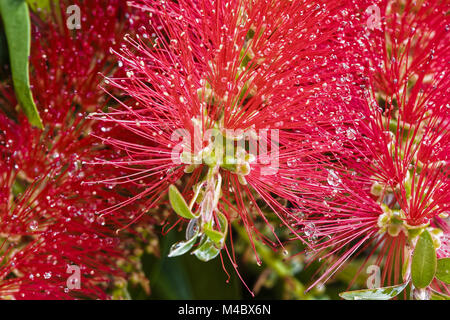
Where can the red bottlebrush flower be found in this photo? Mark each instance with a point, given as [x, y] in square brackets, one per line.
[226, 102]
[397, 183]
[48, 221]
[53, 243]
[68, 70]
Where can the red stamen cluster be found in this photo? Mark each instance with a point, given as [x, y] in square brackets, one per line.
[53, 242]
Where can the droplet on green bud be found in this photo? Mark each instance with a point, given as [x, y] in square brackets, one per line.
[394, 230]
[242, 180]
[243, 169]
[436, 235]
[190, 168]
[376, 189]
[443, 215]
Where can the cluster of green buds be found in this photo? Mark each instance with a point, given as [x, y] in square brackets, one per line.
[206, 222]
[226, 150]
[393, 222]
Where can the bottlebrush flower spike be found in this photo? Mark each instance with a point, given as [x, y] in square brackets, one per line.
[70, 75]
[226, 104]
[46, 224]
[49, 226]
[397, 183]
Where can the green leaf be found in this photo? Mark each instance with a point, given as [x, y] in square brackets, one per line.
[214, 235]
[179, 204]
[385, 293]
[16, 21]
[423, 265]
[182, 247]
[443, 270]
[218, 236]
[207, 250]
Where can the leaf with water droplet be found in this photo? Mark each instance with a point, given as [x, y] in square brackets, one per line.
[207, 250]
[16, 21]
[424, 261]
[384, 293]
[192, 228]
[443, 270]
[179, 204]
[182, 247]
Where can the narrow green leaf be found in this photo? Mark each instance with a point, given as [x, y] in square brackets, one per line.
[182, 247]
[214, 235]
[443, 270]
[423, 265]
[16, 21]
[207, 250]
[385, 293]
[179, 204]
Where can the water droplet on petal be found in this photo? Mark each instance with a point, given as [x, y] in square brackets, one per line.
[333, 179]
[33, 225]
[351, 134]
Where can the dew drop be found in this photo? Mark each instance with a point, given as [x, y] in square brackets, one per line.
[101, 220]
[351, 134]
[33, 225]
[333, 179]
